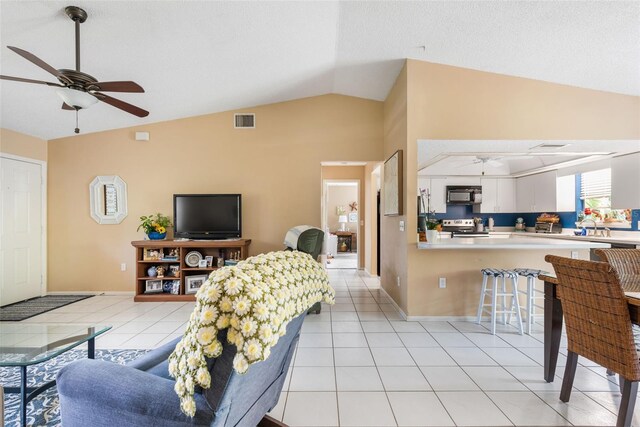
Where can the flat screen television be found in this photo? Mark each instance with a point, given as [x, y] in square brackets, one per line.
[207, 216]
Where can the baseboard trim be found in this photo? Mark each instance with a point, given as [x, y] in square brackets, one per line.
[402, 313]
[110, 293]
[442, 318]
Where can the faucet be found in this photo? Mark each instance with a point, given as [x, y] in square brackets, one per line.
[595, 225]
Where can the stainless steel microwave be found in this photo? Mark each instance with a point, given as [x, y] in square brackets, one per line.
[464, 194]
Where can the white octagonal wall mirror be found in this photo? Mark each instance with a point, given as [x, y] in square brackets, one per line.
[108, 199]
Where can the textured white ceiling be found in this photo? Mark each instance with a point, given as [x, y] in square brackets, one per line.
[512, 157]
[196, 58]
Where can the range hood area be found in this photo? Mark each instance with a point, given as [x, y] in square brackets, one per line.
[464, 194]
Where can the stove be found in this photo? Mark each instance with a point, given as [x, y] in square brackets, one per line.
[462, 228]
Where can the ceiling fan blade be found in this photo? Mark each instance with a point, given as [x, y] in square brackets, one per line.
[136, 111]
[66, 106]
[20, 79]
[124, 86]
[39, 62]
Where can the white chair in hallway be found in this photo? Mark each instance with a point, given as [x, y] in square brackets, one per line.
[499, 290]
[531, 295]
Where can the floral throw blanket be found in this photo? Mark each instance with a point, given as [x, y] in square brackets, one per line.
[254, 299]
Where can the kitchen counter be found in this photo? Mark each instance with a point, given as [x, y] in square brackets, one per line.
[520, 242]
[611, 240]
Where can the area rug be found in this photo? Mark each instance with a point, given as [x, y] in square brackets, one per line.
[44, 410]
[34, 306]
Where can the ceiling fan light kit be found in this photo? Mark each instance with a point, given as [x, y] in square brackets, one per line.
[76, 98]
[79, 90]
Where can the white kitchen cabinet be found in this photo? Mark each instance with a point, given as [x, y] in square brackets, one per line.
[545, 192]
[566, 193]
[498, 196]
[536, 193]
[525, 198]
[506, 200]
[439, 194]
[489, 196]
[625, 176]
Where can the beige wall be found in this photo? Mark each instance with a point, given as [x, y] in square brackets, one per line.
[445, 102]
[348, 173]
[276, 168]
[341, 196]
[22, 145]
[394, 243]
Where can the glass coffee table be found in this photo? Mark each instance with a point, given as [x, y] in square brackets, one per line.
[24, 344]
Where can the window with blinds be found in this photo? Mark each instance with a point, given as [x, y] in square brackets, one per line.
[596, 184]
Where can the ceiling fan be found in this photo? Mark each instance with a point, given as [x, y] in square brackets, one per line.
[79, 90]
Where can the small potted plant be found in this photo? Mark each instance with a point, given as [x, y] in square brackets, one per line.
[155, 226]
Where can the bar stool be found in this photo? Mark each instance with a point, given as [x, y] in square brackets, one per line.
[495, 292]
[531, 295]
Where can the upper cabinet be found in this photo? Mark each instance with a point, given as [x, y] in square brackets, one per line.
[536, 193]
[566, 193]
[625, 182]
[498, 196]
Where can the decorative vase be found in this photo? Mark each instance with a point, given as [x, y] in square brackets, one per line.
[152, 271]
[154, 235]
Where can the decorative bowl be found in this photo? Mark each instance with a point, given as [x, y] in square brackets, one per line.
[154, 235]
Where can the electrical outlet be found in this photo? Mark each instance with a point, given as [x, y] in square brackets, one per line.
[398, 281]
[401, 225]
[123, 266]
[442, 282]
[574, 254]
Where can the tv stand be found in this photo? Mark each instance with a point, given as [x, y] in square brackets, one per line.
[212, 248]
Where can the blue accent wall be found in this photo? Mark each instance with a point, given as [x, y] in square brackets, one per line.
[567, 219]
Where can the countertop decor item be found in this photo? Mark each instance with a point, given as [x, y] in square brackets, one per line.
[152, 271]
[193, 258]
[155, 226]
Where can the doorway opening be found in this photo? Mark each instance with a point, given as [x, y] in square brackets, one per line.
[341, 223]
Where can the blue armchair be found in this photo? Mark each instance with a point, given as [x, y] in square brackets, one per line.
[98, 393]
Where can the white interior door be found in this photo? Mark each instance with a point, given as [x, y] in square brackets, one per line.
[21, 223]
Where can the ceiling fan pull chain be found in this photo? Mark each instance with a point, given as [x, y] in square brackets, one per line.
[77, 129]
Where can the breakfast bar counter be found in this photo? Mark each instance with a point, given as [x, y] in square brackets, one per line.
[508, 243]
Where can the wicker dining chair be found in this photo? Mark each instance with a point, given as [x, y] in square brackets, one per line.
[598, 326]
[626, 262]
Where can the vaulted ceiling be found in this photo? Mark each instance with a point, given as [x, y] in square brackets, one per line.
[200, 57]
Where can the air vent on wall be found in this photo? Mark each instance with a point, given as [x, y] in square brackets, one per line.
[244, 121]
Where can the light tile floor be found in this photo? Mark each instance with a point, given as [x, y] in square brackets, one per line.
[359, 364]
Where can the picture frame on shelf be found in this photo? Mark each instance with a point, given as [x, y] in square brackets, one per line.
[174, 270]
[209, 260]
[193, 283]
[203, 263]
[153, 286]
[173, 255]
[152, 254]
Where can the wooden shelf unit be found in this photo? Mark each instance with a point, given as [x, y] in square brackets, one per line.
[205, 247]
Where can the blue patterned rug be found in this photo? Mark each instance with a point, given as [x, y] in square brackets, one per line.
[44, 410]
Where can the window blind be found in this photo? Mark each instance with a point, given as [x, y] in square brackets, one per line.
[596, 184]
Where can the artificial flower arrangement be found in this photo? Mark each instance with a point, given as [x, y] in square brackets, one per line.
[431, 222]
[255, 300]
[157, 223]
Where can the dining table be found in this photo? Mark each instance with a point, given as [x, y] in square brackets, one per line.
[553, 318]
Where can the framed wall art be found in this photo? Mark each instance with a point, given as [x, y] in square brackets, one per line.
[392, 185]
